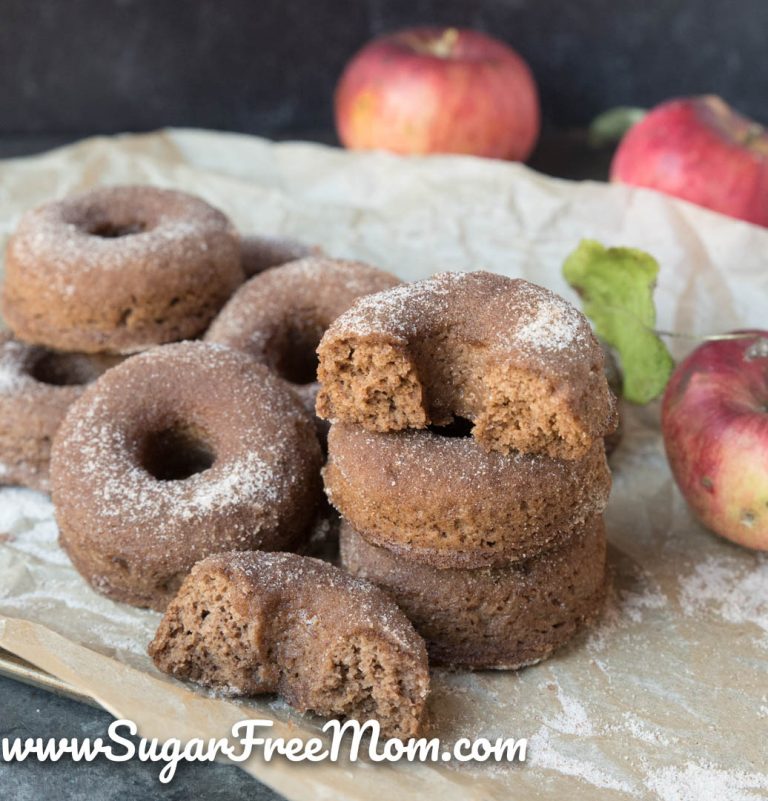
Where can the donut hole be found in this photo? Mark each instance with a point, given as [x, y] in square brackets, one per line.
[459, 428]
[64, 369]
[296, 360]
[176, 453]
[109, 229]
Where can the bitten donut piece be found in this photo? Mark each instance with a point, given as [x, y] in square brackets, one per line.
[259, 253]
[253, 623]
[178, 453]
[506, 617]
[119, 269]
[517, 360]
[279, 316]
[37, 386]
[445, 501]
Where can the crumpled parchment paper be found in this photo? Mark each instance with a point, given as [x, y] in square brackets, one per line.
[668, 696]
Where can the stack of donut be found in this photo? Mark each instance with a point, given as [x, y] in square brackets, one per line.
[176, 472]
[465, 454]
[466, 457]
[89, 280]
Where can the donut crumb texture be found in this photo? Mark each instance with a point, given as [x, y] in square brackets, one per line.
[252, 623]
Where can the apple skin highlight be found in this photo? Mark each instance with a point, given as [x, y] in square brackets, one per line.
[715, 425]
[438, 90]
[701, 150]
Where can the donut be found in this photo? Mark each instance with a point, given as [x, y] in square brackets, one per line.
[119, 269]
[615, 381]
[515, 359]
[259, 253]
[280, 315]
[37, 386]
[178, 453]
[503, 618]
[251, 623]
[446, 501]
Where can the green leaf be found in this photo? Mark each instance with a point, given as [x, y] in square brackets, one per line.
[616, 288]
[610, 126]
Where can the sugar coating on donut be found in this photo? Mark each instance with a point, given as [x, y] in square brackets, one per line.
[514, 358]
[251, 623]
[259, 253]
[119, 269]
[446, 501]
[280, 315]
[37, 386]
[183, 451]
[502, 618]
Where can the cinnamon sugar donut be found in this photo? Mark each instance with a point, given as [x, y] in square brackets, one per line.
[280, 315]
[506, 617]
[517, 360]
[445, 501]
[119, 269]
[259, 253]
[252, 623]
[37, 386]
[181, 452]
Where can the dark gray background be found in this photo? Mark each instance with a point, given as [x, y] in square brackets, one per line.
[75, 67]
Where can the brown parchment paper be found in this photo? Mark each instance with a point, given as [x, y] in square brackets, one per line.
[668, 696]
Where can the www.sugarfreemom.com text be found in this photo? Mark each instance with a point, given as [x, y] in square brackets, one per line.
[350, 740]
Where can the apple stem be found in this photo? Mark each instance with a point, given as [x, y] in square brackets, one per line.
[660, 332]
[443, 47]
[753, 133]
[700, 337]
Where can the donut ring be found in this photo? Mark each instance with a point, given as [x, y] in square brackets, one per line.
[280, 315]
[119, 269]
[37, 386]
[259, 253]
[518, 361]
[178, 453]
[445, 501]
[256, 623]
[503, 618]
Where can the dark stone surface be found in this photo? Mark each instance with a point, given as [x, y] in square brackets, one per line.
[30, 712]
[270, 66]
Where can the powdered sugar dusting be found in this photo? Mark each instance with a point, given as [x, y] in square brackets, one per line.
[723, 586]
[401, 308]
[261, 317]
[15, 359]
[553, 325]
[694, 782]
[248, 495]
[360, 604]
[508, 315]
[58, 233]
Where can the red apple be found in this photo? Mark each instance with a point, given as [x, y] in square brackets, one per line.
[715, 423]
[701, 150]
[438, 90]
